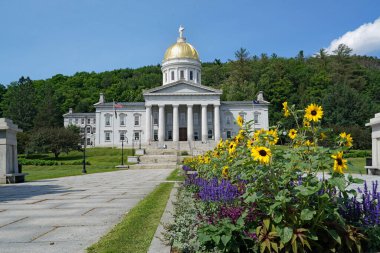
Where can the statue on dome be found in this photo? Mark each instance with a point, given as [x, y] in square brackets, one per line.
[180, 30]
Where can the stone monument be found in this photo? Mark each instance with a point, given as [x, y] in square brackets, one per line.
[374, 169]
[9, 169]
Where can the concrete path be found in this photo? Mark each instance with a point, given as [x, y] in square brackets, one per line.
[71, 213]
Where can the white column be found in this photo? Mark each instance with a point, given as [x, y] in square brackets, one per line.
[204, 123]
[175, 123]
[161, 123]
[216, 122]
[148, 130]
[190, 125]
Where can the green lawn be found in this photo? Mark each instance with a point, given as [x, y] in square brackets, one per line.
[176, 175]
[135, 232]
[357, 165]
[100, 159]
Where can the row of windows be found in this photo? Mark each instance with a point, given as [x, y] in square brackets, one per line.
[122, 119]
[90, 130]
[82, 121]
[182, 75]
[122, 137]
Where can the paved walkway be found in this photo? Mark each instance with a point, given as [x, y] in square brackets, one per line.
[69, 214]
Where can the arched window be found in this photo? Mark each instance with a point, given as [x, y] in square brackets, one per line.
[122, 119]
[191, 75]
[182, 74]
[107, 119]
[172, 73]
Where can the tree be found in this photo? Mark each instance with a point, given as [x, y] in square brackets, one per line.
[2, 92]
[55, 140]
[48, 113]
[19, 103]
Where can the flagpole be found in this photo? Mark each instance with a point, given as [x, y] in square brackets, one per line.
[113, 125]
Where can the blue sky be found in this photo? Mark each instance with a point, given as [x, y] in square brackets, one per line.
[41, 38]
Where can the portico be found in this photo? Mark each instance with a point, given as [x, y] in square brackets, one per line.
[183, 122]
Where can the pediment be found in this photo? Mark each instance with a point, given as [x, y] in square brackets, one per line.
[182, 88]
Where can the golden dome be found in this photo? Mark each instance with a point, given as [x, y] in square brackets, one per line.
[181, 50]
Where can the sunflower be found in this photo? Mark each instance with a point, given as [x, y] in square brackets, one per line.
[309, 143]
[225, 171]
[339, 162]
[250, 143]
[306, 123]
[286, 109]
[232, 147]
[207, 159]
[240, 121]
[347, 139]
[292, 134]
[240, 135]
[273, 133]
[258, 133]
[313, 113]
[261, 154]
[220, 144]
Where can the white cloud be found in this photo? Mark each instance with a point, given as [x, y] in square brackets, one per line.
[365, 39]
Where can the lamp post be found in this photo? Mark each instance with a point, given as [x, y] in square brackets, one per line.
[84, 171]
[122, 150]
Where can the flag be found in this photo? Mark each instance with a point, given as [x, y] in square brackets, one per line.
[116, 105]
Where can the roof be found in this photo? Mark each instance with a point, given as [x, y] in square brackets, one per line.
[198, 89]
[80, 114]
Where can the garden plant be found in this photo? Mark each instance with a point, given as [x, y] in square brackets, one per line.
[249, 195]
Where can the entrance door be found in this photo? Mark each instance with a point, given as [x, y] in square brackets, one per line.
[183, 134]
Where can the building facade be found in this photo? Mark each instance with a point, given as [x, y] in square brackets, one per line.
[182, 109]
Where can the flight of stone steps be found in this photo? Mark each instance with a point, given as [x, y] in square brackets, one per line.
[157, 159]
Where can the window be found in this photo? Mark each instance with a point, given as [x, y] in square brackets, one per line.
[93, 130]
[155, 135]
[197, 77]
[137, 136]
[88, 121]
[88, 130]
[196, 137]
[196, 119]
[122, 119]
[166, 77]
[182, 118]
[76, 121]
[170, 136]
[155, 118]
[108, 120]
[107, 136]
[228, 134]
[94, 120]
[172, 73]
[82, 121]
[209, 134]
[256, 117]
[191, 75]
[88, 141]
[182, 74]
[170, 118]
[209, 117]
[228, 120]
[70, 121]
[137, 119]
[122, 135]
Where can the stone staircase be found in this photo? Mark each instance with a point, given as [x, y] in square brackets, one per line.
[157, 159]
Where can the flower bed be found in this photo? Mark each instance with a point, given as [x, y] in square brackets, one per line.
[247, 195]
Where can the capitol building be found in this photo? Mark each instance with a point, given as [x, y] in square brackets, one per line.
[182, 110]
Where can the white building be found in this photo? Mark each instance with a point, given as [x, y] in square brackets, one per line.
[182, 109]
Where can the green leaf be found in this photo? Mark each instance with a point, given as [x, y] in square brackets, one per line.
[225, 239]
[307, 214]
[277, 218]
[216, 239]
[203, 238]
[285, 233]
[266, 223]
[334, 235]
[339, 182]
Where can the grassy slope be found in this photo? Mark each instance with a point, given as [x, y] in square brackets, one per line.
[135, 232]
[101, 160]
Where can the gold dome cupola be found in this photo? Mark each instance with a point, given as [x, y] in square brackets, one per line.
[181, 62]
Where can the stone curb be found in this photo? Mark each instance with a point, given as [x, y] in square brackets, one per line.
[158, 244]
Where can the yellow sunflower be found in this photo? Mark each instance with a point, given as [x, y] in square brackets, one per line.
[225, 171]
[240, 135]
[240, 121]
[286, 109]
[309, 143]
[261, 154]
[207, 159]
[339, 162]
[306, 123]
[274, 134]
[220, 144]
[258, 133]
[292, 134]
[232, 147]
[313, 112]
[250, 143]
[347, 139]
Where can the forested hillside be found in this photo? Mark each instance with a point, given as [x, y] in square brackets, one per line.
[347, 86]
